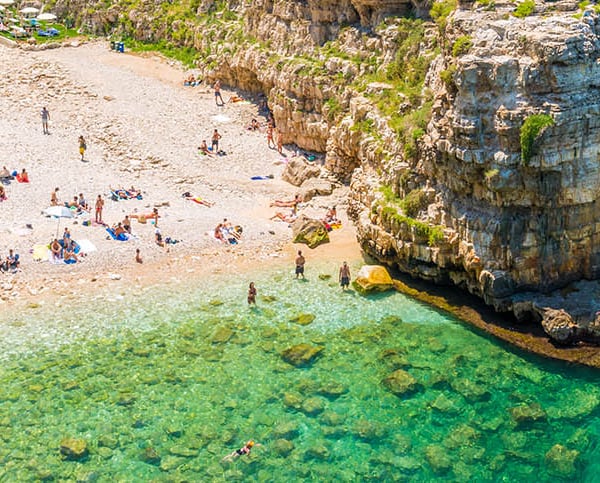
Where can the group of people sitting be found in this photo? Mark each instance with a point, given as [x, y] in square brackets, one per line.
[227, 233]
[65, 250]
[6, 176]
[78, 204]
[191, 81]
[10, 263]
[125, 194]
[120, 231]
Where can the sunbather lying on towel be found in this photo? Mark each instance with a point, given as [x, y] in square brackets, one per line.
[287, 204]
[197, 199]
[142, 218]
[289, 218]
[125, 194]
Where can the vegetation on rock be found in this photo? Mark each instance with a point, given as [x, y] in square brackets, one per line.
[524, 9]
[532, 128]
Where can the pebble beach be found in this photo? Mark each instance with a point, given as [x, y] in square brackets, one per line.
[142, 128]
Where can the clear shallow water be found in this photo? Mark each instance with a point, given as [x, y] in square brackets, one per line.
[163, 390]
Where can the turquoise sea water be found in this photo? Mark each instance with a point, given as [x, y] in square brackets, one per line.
[162, 385]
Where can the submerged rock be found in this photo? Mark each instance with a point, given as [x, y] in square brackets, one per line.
[317, 452]
[370, 430]
[73, 449]
[301, 355]
[150, 456]
[283, 447]
[438, 458]
[332, 390]
[313, 406]
[286, 430]
[303, 319]
[400, 383]
[170, 463]
[394, 359]
[560, 461]
[525, 414]
[373, 278]
[222, 335]
[291, 400]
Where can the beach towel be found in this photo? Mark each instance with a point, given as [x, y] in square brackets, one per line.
[87, 246]
[120, 237]
[255, 178]
[40, 253]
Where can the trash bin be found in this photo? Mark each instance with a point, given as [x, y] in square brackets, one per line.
[112, 45]
[121, 47]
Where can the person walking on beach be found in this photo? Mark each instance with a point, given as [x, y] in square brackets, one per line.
[344, 276]
[138, 256]
[300, 261]
[215, 141]
[217, 88]
[82, 146]
[270, 139]
[251, 294]
[99, 206]
[45, 119]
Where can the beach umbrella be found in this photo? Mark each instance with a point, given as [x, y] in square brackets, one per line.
[7, 2]
[59, 212]
[46, 16]
[30, 10]
[2, 8]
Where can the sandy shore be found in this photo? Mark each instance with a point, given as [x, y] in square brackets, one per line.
[142, 128]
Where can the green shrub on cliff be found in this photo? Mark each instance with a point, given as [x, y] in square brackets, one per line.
[433, 233]
[524, 9]
[414, 202]
[532, 128]
[461, 45]
[441, 10]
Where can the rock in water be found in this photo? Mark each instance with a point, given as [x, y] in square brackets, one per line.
[560, 461]
[559, 326]
[309, 231]
[303, 319]
[400, 383]
[301, 355]
[73, 449]
[373, 278]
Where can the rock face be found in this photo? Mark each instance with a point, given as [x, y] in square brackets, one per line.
[309, 231]
[373, 278]
[297, 171]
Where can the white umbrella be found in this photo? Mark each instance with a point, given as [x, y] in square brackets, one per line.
[7, 2]
[59, 211]
[30, 10]
[46, 16]
[2, 8]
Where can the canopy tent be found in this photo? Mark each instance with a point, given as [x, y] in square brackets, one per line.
[46, 16]
[7, 2]
[29, 10]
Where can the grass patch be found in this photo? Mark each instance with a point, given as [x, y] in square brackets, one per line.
[532, 128]
[433, 233]
[186, 55]
[461, 45]
[524, 9]
[440, 12]
[414, 202]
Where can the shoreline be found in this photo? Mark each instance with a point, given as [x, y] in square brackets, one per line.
[148, 137]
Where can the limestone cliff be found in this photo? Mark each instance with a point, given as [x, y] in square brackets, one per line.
[470, 137]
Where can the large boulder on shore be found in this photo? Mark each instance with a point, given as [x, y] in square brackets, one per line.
[297, 171]
[373, 278]
[559, 326]
[315, 187]
[310, 231]
[301, 355]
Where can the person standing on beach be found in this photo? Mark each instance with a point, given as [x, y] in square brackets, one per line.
[215, 141]
[45, 119]
[99, 206]
[270, 139]
[251, 294]
[82, 146]
[217, 88]
[344, 276]
[138, 256]
[300, 261]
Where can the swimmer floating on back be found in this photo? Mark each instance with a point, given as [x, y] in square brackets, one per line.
[240, 452]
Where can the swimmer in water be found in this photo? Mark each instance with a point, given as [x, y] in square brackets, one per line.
[242, 451]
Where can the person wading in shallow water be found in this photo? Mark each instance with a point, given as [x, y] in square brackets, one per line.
[251, 294]
[344, 276]
[300, 261]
